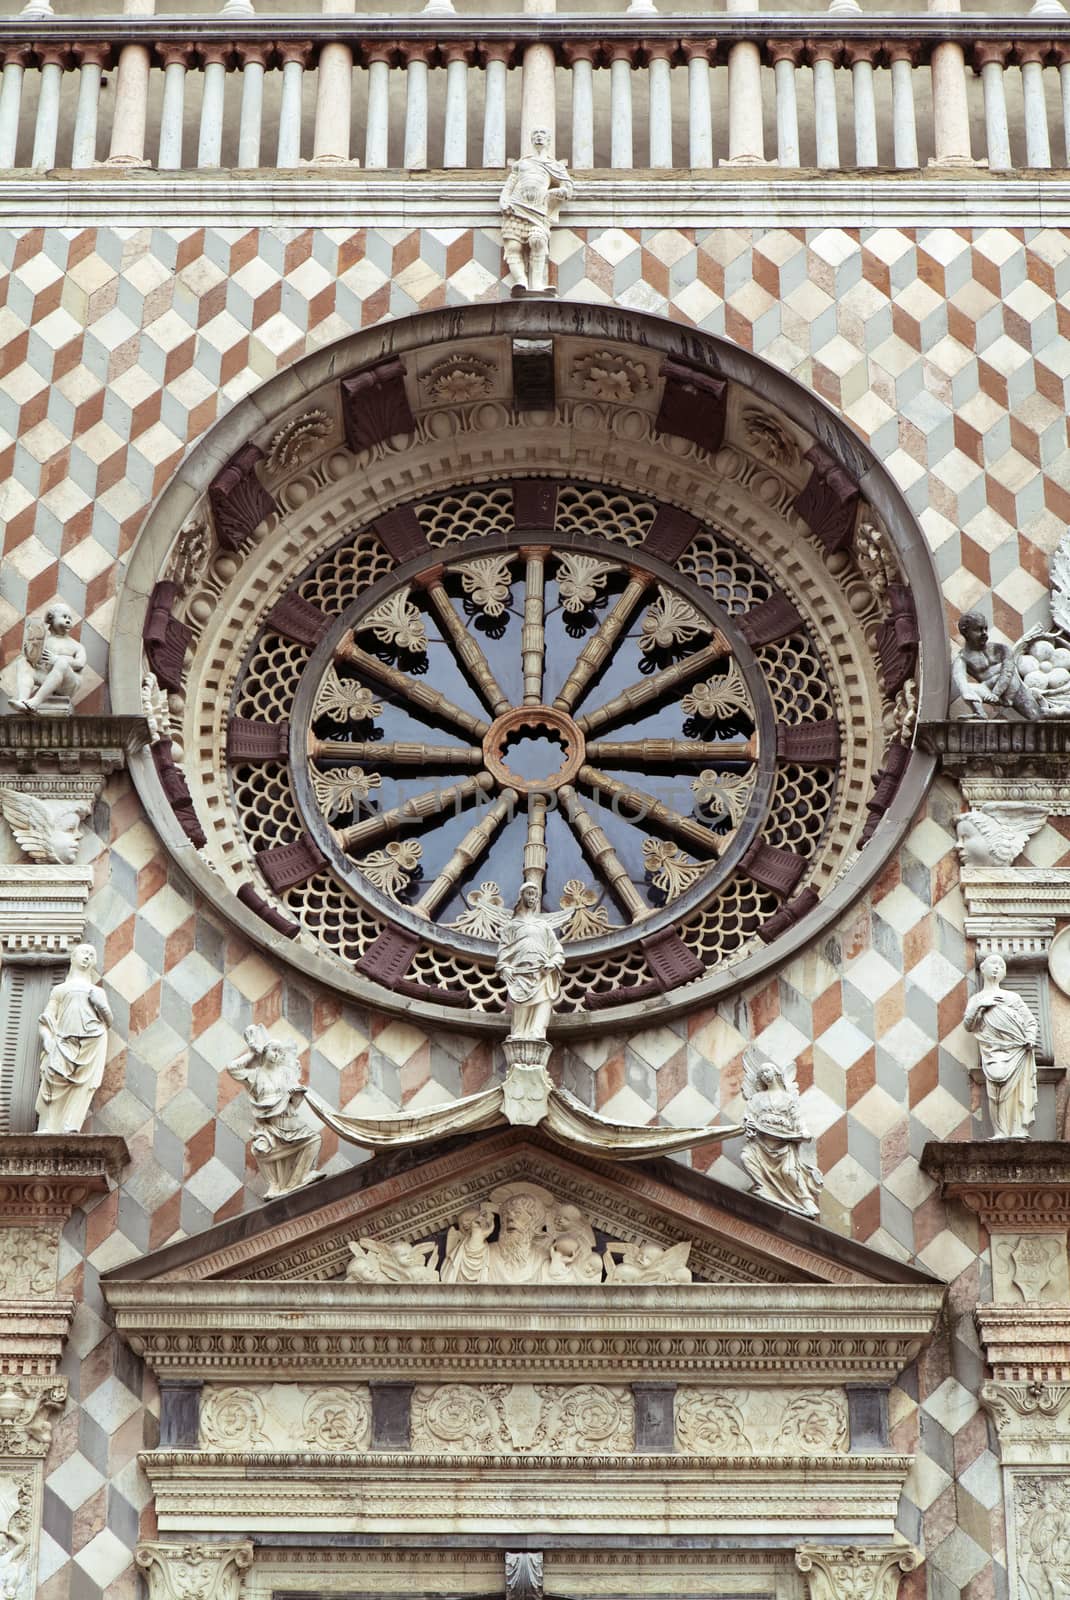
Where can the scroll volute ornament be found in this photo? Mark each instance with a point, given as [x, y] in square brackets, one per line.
[855, 1572]
[194, 1571]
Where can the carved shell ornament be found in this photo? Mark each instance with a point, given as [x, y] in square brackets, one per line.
[448, 663]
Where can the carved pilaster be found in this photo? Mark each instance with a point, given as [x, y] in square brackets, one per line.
[194, 1571]
[855, 1572]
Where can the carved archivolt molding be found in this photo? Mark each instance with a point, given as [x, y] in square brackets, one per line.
[417, 431]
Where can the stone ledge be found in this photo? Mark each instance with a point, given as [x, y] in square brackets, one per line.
[69, 745]
[962, 742]
[1011, 1184]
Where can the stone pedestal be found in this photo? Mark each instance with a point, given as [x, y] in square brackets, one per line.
[1021, 1193]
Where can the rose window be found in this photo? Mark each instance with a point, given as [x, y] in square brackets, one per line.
[655, 644]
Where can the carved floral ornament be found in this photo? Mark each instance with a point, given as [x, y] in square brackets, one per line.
[651, 594]
[194, 1571]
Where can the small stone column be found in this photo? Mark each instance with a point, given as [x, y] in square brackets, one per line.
[786, 55]
[580, 59]
[989, 59]
[746, 139]
[951, 113]
[1031, 58]
[538, 95]
[131, 97]
[697, 53]
[903, 58]
[334, 95]
[92, 59]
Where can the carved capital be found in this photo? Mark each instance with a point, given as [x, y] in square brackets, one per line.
[852, 54]
[902, 50]
[194, 1571]
[1031, 52]
[986, 54]
[181, 53]
[855, 1572]
[1032, 1418]
[824, 50]
[212, 54]
[579, 50]
[792, 50]
[295, 50]
[92, 52]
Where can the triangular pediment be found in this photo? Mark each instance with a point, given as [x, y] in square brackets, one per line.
[411, 1197]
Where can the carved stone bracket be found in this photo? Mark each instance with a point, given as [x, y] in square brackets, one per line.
[1014, 1186]
[855, 1572]
[523, 1575]
[194, 1571]
[51, 772]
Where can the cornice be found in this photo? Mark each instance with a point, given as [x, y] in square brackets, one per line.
[879, 27]
[43, 1177]
[386, 1492]
[1013, 1185]
[309, 1330]
[442, 199]
[78, 745]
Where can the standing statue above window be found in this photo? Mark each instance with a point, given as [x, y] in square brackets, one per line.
[74, 1041]
[986, 673]
[530, 959]
[286, 1138]
[1006, 1032]
[49, 670]
[529, 203]
[774, 1134]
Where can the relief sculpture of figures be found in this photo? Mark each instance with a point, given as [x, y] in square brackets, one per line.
[985, 673]
[1006, 1032]
[539, 1240]
[529, 202]
[286, 1138]
[49, 670]
[774, 1135]
[74, 1044]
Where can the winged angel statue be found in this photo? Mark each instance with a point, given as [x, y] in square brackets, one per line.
[775, 1133]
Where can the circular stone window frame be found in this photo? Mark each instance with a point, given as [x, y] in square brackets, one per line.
[444, 330]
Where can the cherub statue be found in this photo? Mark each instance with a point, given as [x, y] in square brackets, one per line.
[647, 1263]
[985, 673]
[48, 672]
[1006, 1032]
[996, 833]
[286, 1137]
[74, 1043]
[774, 1134]
[530, 958]
[529, 203]
[400, 1262]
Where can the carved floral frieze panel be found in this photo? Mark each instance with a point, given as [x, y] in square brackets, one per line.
[285, 1416]
[741, 1421]
[507, 1418]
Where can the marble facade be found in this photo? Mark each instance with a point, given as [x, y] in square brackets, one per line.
[945, 348]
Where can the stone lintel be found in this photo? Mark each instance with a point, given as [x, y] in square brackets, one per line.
[1013, 1185]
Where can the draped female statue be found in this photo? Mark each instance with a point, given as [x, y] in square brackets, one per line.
[74, 1041]
[1006, 1032]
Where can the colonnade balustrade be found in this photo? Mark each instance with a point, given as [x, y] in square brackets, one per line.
[836, 90]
